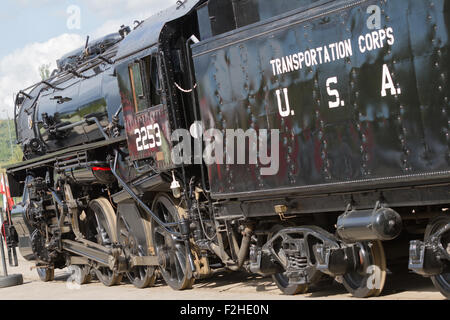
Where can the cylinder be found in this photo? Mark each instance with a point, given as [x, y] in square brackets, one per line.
[365, 225]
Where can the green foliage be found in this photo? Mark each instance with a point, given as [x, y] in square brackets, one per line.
[5, 149]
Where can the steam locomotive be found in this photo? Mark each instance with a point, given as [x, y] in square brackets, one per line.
[298, 139]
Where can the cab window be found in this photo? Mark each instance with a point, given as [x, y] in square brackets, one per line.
[137, 86]
[152, 65]
[145, 83]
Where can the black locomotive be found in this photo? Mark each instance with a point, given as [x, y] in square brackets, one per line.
[296, 139]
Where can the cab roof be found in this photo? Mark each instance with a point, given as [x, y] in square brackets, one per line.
[147, 34]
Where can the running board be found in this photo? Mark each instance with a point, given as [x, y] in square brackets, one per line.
[92, 251]
[102, 256]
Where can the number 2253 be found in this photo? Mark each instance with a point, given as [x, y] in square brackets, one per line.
[148, 137]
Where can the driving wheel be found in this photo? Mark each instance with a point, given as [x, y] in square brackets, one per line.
[134, 230]
[106, 235]
[172, 253]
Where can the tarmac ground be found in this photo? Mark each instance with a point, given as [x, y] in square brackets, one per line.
[227, 286]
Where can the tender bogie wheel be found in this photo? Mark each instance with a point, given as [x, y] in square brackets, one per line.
[46, 274]
[370, 276]
[282, 281]
[442, 281]
[106, 235]
[283, 284]
[172, 254]
[80, 274]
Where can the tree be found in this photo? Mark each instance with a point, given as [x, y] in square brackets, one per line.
[44, 71]
[6, 158]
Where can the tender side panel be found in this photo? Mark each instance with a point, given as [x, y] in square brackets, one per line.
[357, 89]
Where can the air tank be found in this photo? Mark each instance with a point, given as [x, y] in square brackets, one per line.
[365, 225]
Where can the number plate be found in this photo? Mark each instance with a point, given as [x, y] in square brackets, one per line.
[148, 135]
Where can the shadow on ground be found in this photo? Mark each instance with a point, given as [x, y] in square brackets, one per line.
[236, 282]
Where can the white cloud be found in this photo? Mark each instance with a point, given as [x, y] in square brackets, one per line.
[113, 25]
[36, 3]
[124, 12]
[20, 69]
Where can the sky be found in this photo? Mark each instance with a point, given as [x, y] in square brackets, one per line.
[37, 32]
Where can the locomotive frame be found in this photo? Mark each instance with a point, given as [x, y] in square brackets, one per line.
[364, 161]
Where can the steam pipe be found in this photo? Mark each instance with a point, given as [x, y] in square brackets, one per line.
[241, 255]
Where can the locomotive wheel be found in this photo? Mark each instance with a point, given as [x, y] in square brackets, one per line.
[172, 255]
[105, 224]
[80, 274]
[46, 274]
[282, 281]
[283, 284]
[369, 277]
[135, 237]
[442, 281]
[142, 277]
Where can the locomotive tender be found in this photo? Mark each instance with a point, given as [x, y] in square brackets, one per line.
[351, 97]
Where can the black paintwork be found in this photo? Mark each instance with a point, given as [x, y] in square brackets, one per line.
[68, 98]
[372, 141]
[149, 32]
[390, 149]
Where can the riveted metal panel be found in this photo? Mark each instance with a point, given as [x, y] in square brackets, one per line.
[371, 139]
